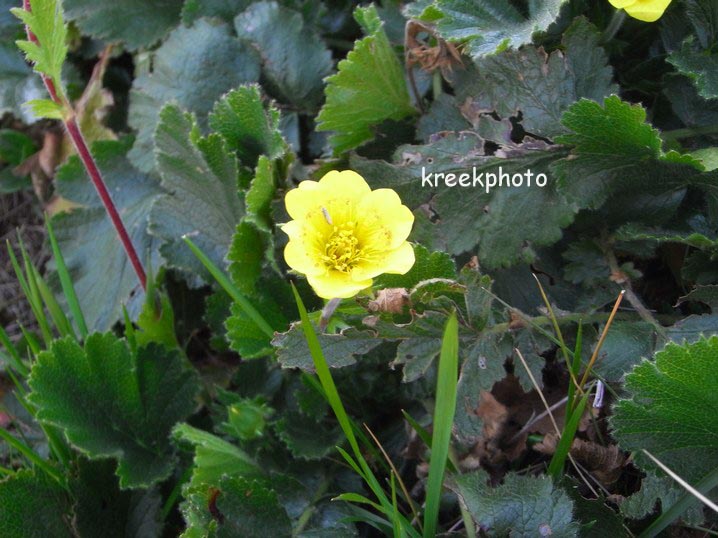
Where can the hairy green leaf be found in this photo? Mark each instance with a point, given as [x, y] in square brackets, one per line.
[200, 177]
[489, 26]
[47, 23]
[112, 402]
[521, 506]
[535, 85]
[135, 23]
[672, 410]
[294, 58]
[34, 506]
[368, 89]
[194, 67]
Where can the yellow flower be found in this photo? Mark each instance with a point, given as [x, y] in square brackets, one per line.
[344, 234]
[643, 10]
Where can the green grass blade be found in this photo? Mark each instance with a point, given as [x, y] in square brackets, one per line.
[575, 368]
[31, 456]
[555, 468]
[444, 410]
[231, 289]
[14, 358]
[425, 436]
[31, 294]
[335, 402]
[59, 319]
[66, 282]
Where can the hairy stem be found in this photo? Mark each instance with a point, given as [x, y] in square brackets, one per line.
[88, 161]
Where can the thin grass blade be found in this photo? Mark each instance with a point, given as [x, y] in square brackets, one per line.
[443, 420]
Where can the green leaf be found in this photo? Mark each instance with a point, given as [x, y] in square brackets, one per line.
[250, 509]
[224, 9]
[697, 56]
[181, 72]
[200, 176]
[213, 458]
[246, 337]
[627, 342]
[46, 108]
[34, 506]
[490, 26]
[671, 412]
[521, 506]
[703, 294]
[306, 437]
[295, 60]
[103, 509]
[616, 151]
[536, 86]
[250, 128]
[47, 23]
[89, 242]
[339, 349]
[135, 23]
[112, 402]
[470, 216]
[368, 89]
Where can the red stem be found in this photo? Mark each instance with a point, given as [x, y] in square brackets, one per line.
[95, 176]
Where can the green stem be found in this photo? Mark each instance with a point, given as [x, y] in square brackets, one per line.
[619, 16]
[175, 493]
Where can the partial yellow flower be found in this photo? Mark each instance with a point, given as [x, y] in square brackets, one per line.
[643, 10]
[343, 234]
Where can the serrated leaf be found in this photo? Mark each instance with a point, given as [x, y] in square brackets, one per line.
[194, 67]
[470, 216]
[295, 60]
[536, 86]
[250, 509]
[135, 23]
[521, 506]
[114, 403]
[213, 458]
[616, 151]
[200, 176]
[703, 294]
[47, 23]
[46, 108]
[307, 438]
[103, 509]
[672, 410]
[339, 349]
[34, 506]
[626, 344]
[368, 89]
[250, 128]
[88, 241]
[699, 65]
[490, 26]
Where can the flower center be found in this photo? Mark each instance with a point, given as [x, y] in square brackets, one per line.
[342, 249]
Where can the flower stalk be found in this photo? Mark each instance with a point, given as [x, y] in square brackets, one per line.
[88, 161]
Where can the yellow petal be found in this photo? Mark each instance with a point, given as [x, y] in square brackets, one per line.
[385, 223]
[622, 4]
[336, 285]
[302, 200]
[397, 262]
[347, 184]
[303, 258]
[648, 10]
